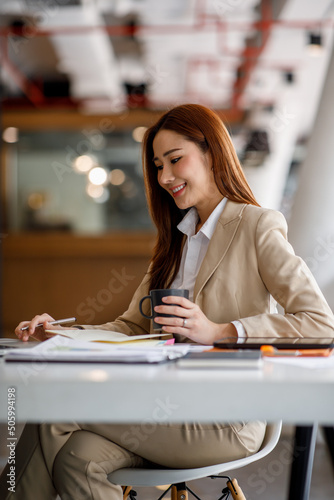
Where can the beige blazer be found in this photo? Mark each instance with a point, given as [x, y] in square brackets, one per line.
[249, 266]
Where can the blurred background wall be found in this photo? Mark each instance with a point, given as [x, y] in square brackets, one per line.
[80, 82]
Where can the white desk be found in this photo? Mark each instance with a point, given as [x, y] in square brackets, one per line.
[102, 392]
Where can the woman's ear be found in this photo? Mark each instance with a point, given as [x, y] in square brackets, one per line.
[208, 159]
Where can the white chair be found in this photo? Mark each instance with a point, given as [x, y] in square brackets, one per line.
[178, 477]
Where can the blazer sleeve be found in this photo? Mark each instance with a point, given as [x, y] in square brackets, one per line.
[290, 282]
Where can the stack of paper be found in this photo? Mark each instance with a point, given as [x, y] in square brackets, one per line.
[63, 349]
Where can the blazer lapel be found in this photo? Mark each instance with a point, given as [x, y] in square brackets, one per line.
[226, 228]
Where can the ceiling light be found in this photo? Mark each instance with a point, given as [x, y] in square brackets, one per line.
[98, 193]
[136, 94]
[10, 134]
[129, 189]
[84, 163]
[257, 149]
[98, 176]
[36, 201]
[94, 191]
[314, 43]
[117, 177]
[289, 76]
[138, 133]
[104, 196]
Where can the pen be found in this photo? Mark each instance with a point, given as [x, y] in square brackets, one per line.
[57, 322]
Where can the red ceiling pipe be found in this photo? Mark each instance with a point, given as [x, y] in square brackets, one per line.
[115, 30]
[29, 88]
[251, 54]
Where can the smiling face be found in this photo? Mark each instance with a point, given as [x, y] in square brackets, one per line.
[184, 171]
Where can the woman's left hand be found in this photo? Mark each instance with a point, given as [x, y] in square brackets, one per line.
[191, 322]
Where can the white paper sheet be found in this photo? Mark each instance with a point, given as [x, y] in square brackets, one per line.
[313, 363]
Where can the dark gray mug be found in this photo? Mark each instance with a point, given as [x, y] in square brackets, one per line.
[156, 300]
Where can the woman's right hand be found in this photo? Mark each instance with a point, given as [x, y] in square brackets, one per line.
[34, 331]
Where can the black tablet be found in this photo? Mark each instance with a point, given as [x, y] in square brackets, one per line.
[278, 342]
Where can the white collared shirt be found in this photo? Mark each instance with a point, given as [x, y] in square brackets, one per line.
[194, 251]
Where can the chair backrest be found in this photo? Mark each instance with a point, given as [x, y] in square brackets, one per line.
[158, 476]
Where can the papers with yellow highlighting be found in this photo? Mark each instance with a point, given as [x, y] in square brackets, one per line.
[95, 335]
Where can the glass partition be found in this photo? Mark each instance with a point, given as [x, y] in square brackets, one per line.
[79, 182]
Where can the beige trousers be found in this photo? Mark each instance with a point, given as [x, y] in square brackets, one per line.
[73, 460]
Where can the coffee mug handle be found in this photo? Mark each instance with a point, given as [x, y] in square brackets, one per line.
[140, 306]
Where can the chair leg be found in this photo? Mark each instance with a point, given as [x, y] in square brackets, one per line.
[235, 490]
[179, 492]
[126, 491]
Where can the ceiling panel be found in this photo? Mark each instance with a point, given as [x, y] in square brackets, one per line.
[228, 54]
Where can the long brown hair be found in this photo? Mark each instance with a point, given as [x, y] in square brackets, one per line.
[203, 127]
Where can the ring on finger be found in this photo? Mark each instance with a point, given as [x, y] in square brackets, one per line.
[184, 323]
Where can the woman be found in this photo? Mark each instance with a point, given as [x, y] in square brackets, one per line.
[234, 258]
